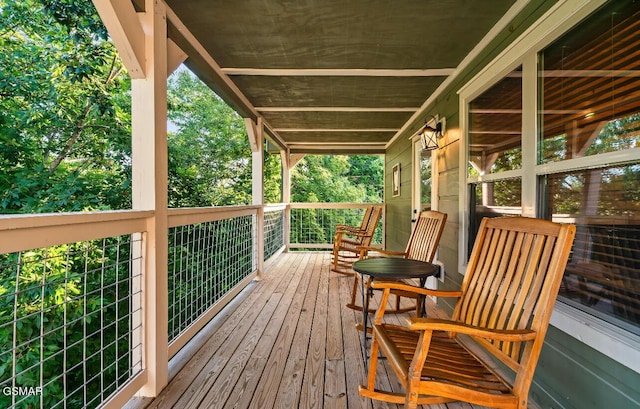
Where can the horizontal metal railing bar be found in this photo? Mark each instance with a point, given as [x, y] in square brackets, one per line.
[195, 215]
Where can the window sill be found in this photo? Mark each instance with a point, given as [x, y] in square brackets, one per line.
[614, 342]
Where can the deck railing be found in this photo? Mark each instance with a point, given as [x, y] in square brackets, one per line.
[212, 256]
[73, 299]
[313, 224]
[70, 308]
[274, 229]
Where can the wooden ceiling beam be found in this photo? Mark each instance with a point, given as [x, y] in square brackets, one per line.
[338, 72]
[127, 34]
[334, 109]
[175, 56]
[336, 129]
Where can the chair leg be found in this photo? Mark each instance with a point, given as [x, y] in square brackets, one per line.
[373, 364]
[354, 290]
[411, 398]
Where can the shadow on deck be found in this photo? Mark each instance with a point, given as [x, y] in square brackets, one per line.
[285, 342]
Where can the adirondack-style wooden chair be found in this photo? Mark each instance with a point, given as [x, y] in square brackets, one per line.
[504, 306]
[422, 246]
[346, 243]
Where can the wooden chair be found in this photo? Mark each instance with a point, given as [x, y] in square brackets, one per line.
[346, 243]
[345, 228]
[504, 306]
[422, 246]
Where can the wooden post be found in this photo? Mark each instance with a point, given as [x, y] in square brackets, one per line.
[149, 168]
[285, 161]
[256, 139]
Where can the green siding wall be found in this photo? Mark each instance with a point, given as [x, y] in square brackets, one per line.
[398, 211]
[570, 374]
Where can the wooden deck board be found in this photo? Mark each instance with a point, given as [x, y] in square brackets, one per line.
[288, 341]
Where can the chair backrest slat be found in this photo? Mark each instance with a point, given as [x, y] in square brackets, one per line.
[370, 228]
[514, 264]
[426, 236]
[365, 217]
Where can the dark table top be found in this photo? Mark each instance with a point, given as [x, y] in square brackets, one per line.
[395, 268]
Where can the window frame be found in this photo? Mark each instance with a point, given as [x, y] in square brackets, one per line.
[416, 193]
[616, 343]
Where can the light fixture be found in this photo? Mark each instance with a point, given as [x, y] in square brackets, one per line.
[429, 134]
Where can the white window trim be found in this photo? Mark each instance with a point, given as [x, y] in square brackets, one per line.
[416, 195]
[415, 190]
[614, 342]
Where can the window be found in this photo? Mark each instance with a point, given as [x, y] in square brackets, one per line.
[425, 180]
[494, 150]
[578, 159]
[590, 126]
[495, 127]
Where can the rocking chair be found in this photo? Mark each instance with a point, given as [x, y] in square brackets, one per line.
[422, 246]
[346, 243]
[504, 306]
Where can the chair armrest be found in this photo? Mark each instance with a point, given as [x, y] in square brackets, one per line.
[347, 229]
[382, 251]
[433, 324]
[399, 285]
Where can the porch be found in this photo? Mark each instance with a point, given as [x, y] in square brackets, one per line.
[287, 341]
[276, 333]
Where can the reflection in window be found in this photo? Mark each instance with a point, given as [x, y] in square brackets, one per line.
[493, 199]
[425, 180]
[604, 271]
[590, 87]
[590, 105]
[495, 126]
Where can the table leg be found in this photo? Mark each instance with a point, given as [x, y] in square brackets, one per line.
[422, 300]
[365, 317]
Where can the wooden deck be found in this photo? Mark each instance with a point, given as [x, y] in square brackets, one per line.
[285, 342]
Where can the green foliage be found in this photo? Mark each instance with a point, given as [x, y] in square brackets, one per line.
[58, 295]
[64, 113]
[272, 178]
[209, 153]
[335, 179]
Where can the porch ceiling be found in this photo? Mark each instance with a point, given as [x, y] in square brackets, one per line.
[329, 74]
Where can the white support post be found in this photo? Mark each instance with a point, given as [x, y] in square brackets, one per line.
[256, 139]
[149, 163]
[285, 159]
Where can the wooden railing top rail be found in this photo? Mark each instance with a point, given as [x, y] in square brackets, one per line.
[275, 207]
[333, 205]
[32, 231]
[193, 215]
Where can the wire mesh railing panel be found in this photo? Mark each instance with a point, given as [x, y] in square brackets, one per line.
[315, 227]
[273, 232]
[206, 261]
[70, 323]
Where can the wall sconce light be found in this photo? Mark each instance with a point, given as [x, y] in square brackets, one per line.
[429, 134]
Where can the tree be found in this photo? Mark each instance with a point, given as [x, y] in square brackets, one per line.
[64, 110]
[209, 153]
[335, 179]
